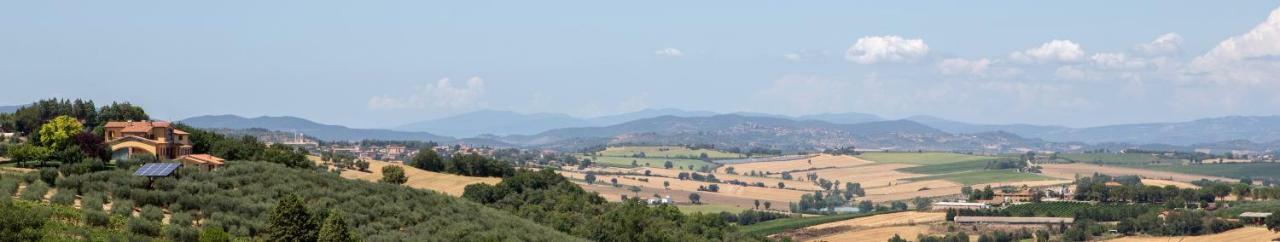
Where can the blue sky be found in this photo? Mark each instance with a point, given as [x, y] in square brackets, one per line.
[385, 63]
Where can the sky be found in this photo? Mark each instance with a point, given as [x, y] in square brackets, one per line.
[387, 63]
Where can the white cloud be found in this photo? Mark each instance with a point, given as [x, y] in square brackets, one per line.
[961, 66]
[1249, 58]
[1116, 61]
[1164, 44]
[806, 55]
[672, 52]
[440, 95]
[1053, 51]
[889, 48]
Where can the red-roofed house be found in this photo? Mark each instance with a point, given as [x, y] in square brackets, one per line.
[155, 138]
[204, 161]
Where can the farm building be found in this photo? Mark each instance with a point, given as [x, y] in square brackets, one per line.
[1253, 217]
[204, 161]
[959, 206]
[1013, 220]
[665, 200]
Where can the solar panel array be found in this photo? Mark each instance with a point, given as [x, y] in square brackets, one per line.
[157, 169]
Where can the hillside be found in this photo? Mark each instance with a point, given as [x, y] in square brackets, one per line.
[9, 109]
[310, 128]
[512, 123]
[1257, 129]
[778, 133]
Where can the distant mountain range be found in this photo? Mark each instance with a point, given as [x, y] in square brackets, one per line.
[673, 126]
[9, 109]
[494, 122]
[1258, 129]
[320, 131]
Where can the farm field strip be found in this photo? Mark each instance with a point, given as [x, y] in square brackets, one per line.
[818, 162]
[649, 162]
[1233, 170]
[779, 196]
[928, 158]
[986, 176]
[891, 219]
[667, 152]
[1250, 233]
[1069, 171]
[450, 184]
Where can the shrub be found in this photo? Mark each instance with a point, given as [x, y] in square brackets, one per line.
[181, 233]
[63, 197]
[122, 207]
[214, 234]
[92, 201]
[35, 191]
[77, 168]
[21, 223]
[152, 213]
[72, 183]
[8, 187]
[97, 218]
[180, 218]
[48, 175]
[143, 227]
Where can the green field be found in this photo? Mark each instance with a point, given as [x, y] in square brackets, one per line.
[945, 168]
[1240, 170]
[667, 152]
[709, 208]
[1118, 158]
[652, 162]
[985, 176]
[779, 225]
[927, 158]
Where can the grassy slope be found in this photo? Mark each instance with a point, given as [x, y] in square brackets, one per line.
[709, 208]
[944, 168]
[653, 162]
[1117, 159]
[927, 158]
[1242, 170]
[672, 152]
[986, 176]
[777, 226]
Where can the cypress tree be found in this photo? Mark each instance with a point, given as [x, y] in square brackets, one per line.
[290, 222]
[335, 229]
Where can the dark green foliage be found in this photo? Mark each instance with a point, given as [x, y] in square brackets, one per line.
[428, 159]
[477, 165]
[749, 217]
[245, 148]
[96, 218]
[1273, 222]
[152, 213]
[393, 174]
[214, 234]
[8, 186]
[180, 219]
[63, 197]
[181, 233]
[92, 201]
[335, 229]
[49, 175]
[122, 207]
[35, 191]
[142, 226]
[897, 238]
[554, 201]
[290, 221]
[21, 223]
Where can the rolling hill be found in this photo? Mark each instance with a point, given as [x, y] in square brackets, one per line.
[313, 129]
[492, 122]
[1257, 129]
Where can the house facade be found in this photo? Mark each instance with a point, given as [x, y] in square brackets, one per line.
[155, 138]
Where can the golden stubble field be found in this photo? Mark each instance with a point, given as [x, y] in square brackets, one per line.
[816, 162]
[873, 228]
[1252, 233]
[450, 184]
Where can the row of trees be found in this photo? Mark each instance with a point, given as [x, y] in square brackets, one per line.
[464, 164]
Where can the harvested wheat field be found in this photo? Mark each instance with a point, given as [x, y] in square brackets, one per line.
[909, 190]
[749, 193]
[1069, 171]
[876, 234]
[817, 162]
[1025, 183]
[891, 219]
[421, 179]
[1161, 183]
[871, 176]
[1246, 234]
[768, 181]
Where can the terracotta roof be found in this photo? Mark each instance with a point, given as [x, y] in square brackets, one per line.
[179, 131]
[203, 159]
[138, 126]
